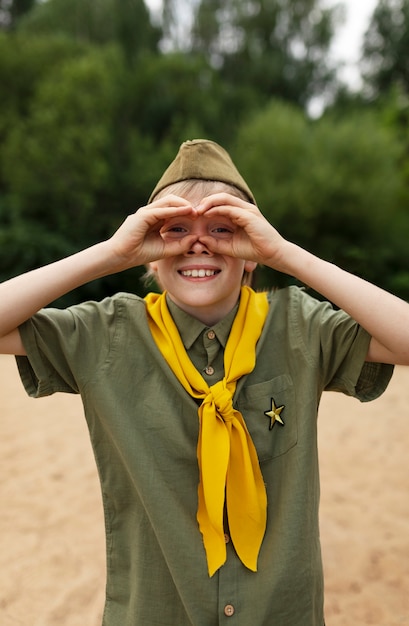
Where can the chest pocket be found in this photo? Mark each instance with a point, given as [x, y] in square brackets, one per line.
[255, 401]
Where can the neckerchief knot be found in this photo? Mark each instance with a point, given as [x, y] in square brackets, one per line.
[223, 400]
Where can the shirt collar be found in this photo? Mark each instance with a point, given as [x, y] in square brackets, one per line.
[190, 328]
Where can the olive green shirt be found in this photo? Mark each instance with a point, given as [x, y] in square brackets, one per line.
[144, 430]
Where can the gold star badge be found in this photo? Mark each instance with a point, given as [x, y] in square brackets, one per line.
[274, 414]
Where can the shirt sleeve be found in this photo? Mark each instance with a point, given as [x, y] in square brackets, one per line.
[339, 345]
[66, 346]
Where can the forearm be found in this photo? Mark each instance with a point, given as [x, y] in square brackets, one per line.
[26, 294]
[136, 242]
[384, 316]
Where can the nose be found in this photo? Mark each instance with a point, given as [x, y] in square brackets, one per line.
[199, 228]
[198, 248]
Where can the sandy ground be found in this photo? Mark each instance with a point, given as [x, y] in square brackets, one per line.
[51, 525]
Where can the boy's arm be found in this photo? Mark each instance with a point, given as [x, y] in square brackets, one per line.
[384, 316]
[136, 242]
[23, 296]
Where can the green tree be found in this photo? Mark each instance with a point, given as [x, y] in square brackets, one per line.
[12, 10]
[98, 21]
[386, 48]
[177, 96]
[55, 163]
[57, 155]
[24, 62]
[85, 137]
[276, 48]
[332, 186]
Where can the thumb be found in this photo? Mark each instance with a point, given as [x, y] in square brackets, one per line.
[217, 246]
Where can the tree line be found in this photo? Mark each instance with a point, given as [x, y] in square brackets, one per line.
[96, 96]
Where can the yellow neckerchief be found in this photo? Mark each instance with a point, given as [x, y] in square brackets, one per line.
[228, 463]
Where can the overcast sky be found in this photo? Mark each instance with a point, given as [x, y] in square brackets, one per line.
[348, 42]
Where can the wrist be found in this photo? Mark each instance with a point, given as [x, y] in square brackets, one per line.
[286, 258]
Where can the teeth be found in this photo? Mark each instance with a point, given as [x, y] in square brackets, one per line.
[198, 273]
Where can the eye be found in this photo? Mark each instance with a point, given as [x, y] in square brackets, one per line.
[173, 231]
[221, 231]
[176, 229]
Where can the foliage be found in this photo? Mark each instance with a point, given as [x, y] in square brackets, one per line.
[23, 64]
[89, 138]
[273, 48]
[386, 48]
[181, 95]
[96, 21]
[12, 10]
[331, 186]
[90, 116]
[56, 158]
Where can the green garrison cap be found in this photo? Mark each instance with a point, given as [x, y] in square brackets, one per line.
[203, 160]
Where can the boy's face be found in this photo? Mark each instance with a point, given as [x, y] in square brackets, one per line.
[204, 284]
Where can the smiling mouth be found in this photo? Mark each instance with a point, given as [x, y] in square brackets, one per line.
[198, 273]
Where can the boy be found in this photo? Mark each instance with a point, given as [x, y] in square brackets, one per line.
[202, 402]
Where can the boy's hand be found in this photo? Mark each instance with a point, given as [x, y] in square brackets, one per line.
[254, 238]
[138, 240]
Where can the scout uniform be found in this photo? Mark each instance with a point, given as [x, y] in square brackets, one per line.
[144, 429]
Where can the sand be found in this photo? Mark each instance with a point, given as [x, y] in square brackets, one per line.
[52, 553]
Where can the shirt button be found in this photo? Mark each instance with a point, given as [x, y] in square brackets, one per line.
[209, 370]
[229, 610]
[226, 538]
[211, 334]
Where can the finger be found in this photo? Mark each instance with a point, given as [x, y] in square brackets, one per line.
[167, 206]
[156, 216]
[238, 246]
[176, 247]
[218, 246]
[219, 200]
[241, 216]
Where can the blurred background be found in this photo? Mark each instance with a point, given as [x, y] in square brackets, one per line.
[97, 95]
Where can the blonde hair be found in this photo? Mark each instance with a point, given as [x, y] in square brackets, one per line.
[203, 188]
